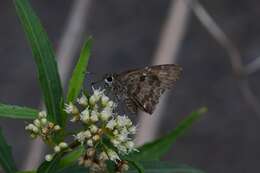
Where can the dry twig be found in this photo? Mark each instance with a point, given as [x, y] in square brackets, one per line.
[239, 69]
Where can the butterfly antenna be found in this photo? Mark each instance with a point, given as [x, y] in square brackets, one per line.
[95, 82]
[89, 73]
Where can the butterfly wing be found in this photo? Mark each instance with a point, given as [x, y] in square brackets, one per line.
[145, 86]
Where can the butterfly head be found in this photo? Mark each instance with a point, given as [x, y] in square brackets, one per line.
[109, 79]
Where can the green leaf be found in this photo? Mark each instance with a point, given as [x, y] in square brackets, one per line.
[6, 159]
[138, 167]
[52, 166]
[163, 167]
[26, 172]
[45, 60]
[79, 72]
[156, 149]
[74, 169]
[17, 112]
[70, 158]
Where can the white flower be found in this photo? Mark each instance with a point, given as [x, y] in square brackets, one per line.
[105, 114]
[132, 130]
[31, 126]
[115, 132]
[130, 145]
[122, 149]
[123, 121]
[81, 137]
[112, 155]
[111, 124]
[93, 128]
[104, 100]
[83, 100]
[48, 157]
[122, 137]
[71, 108]
[94, 116]
[35, 129]
[87, 134]
[115, 142]
[103, 156]
[96, 137]
[42, 114]
[84, 115]
[37, 122]
[90, 143]
[111, 104]
[97, 93]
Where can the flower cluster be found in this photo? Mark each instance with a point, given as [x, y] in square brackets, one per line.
[106, 135]
[42, 127]
[57, 148]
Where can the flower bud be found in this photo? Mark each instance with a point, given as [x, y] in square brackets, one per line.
[90, 152]
[83, 100]
[42, 114]
[130, 145]
[111, 124]
[90, 143]
[104, 100]
[112, 155]
[35, 129]
[103, 156]
[37, 123]
[93, 100]
[63, 145]
[87, 134]
[57, 127]
[33, 136]
[84, 115]
[48, 157]
[44, 121]
[132, 130]
[31, 126]
[124, 167]
[105, 114]
[93, 129]
[51, 125]
[94, 116]
[96, 137]
[57, 149]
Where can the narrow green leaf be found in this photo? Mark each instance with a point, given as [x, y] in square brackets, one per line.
[156, 149]
[79, 72]
[163, 167]
[45, 60]
[17, 112]
[138, 167]
[6, 159]
[71, 158]
[26, 172]
[52, 166]
[74, 169]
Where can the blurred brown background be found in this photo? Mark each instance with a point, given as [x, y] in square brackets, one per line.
[126, 35]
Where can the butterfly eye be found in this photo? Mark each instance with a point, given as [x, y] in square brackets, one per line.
[109, 79]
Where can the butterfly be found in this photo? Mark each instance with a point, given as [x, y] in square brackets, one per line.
[141, 89]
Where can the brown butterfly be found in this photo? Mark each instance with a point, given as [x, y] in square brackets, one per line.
[142, 88]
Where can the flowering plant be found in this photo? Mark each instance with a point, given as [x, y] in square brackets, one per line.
[103, 140]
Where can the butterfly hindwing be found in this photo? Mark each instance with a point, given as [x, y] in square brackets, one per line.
[145, 86]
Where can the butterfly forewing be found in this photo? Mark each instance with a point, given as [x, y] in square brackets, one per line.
[142, 88]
